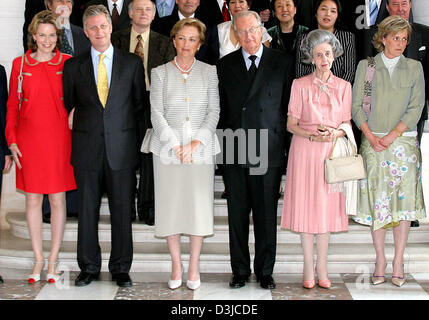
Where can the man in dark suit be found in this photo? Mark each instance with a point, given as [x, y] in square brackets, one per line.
[78, 9]
[118, 10]
[74, 40]
[254, 89]
[104, 91]
[5, 159]
[154, 50]
[32, 7]
[209, 51]
[417, 50]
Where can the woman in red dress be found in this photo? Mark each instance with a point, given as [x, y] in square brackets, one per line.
[39, 138]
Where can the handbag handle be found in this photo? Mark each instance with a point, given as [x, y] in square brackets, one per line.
[20, 80]
[333, 147]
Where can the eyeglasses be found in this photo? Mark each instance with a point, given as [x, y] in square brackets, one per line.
[251, 30]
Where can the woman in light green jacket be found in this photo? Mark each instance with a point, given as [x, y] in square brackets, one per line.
[391, 196]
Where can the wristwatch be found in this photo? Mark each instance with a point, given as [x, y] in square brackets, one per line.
[310, 138]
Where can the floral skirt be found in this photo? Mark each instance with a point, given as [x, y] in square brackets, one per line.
[392, 190]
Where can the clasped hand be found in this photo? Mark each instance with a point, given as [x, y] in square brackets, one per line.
[184, 153]
[381, 144]
[330, 134]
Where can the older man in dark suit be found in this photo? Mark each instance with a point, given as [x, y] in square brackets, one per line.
[104, 92]
[154, 49]
[118, 10]
[254, 88]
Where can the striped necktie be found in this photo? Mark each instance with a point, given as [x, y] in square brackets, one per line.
[373, 12]
[102, 83]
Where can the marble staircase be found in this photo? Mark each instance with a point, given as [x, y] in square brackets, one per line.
[350, 252]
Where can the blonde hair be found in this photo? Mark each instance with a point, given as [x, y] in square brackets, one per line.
[392, 24]
[201, 27]
[95, 10]
[43, 17]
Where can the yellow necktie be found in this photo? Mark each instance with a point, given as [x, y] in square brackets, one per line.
[102, 84]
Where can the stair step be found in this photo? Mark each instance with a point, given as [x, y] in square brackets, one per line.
[154, 257]
[143, 233]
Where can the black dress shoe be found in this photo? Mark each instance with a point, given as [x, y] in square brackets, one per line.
[122, 279]
[238, 281]
[85, 278]
[266, 282]
[46, 217]
[1, 279]
[415, 224]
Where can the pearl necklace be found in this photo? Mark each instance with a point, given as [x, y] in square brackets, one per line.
[184, 71]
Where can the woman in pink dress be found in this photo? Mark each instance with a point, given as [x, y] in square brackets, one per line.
[317, 99]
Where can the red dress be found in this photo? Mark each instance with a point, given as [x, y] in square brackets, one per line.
[40, 127]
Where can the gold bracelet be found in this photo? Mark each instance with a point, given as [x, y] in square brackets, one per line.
[398, 132]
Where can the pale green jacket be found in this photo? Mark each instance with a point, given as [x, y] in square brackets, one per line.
[400, 98]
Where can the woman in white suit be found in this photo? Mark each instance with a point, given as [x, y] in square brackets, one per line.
[185, 110]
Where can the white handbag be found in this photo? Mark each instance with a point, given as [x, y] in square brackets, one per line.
[343, 169]
[145, 148]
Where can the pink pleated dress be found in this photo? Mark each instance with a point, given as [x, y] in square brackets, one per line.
[308, 206]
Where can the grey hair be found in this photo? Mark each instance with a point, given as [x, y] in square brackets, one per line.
[316, 37]
[50, 2]
[245, 14]
[130, 7]
[96, 10]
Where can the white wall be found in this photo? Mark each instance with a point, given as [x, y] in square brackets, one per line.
[11, 22]
[421, 11]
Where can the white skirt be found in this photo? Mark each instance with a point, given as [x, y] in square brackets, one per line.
[184, 197]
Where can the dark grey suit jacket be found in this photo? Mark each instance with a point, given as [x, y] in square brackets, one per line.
[161, 49]
[111, 129]
[81, 43]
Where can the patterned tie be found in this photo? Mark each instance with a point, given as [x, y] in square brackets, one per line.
[102, 83]
[115, 17]
[252, 69]
[66, 47]
[139, 50]
[163, 9]
[225, 13]
[373, 12]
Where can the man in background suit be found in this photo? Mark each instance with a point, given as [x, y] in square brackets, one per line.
[154, 50]
[118, 10]
[209, 51]
[104, 92]
[254, 89]
[417, 50]
[5, 159]
[32, 7]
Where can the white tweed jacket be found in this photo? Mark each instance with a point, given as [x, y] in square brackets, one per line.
[175, 100]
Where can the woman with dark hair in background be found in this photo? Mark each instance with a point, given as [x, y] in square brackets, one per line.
[328, 16]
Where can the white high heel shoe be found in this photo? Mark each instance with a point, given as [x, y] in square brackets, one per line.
[193, 285]
[52, 277]
[35, 277]
[174, 284]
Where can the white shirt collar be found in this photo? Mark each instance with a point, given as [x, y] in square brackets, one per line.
[108, 53]
[181, 16]
[119, 5]
[246, 56]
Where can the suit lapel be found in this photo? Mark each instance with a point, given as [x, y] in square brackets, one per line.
[87, 73]
[264, 65]
[414, 46]
[117, 66]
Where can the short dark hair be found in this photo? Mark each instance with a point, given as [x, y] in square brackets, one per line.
[249, 3]
[338, 22]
